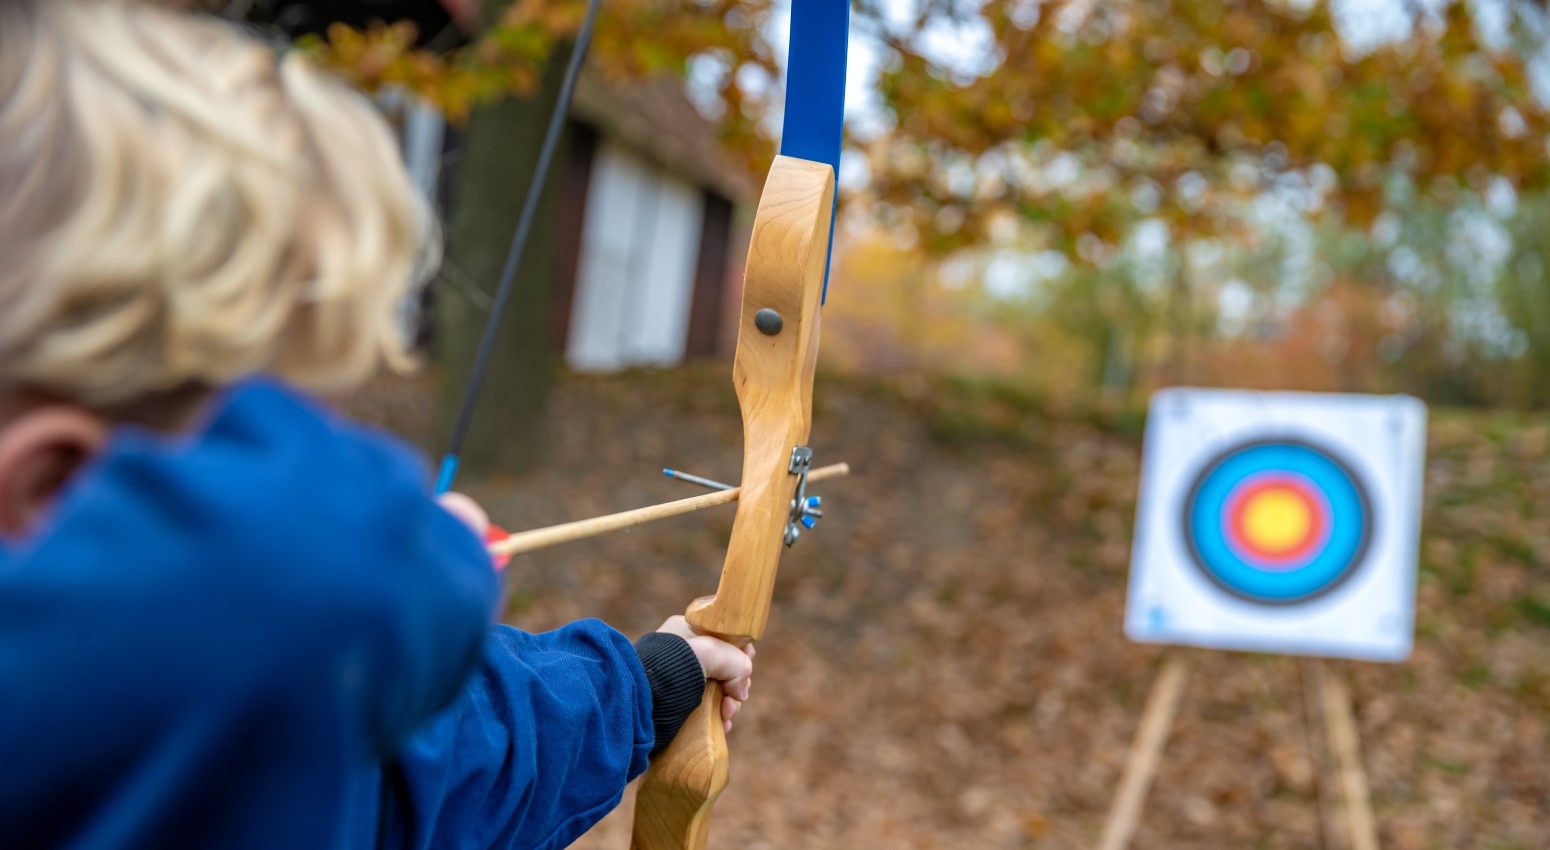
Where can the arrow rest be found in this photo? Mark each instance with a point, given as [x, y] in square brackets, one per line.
[804, 510]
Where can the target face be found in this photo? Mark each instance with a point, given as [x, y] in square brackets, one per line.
[1277, 522]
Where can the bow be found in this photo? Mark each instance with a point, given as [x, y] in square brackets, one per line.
[785, 285]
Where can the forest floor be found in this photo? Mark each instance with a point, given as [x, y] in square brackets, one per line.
[945, 666]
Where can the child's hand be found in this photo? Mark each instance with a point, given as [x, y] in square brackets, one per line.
[474, 517]
[722, 662]
[467, 510]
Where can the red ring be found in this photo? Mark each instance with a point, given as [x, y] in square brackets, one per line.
[1289, 558]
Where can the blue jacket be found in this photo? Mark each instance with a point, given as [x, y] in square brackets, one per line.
[261, 635]
[538, 747]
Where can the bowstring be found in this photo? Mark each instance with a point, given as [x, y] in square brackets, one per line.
[465, 415]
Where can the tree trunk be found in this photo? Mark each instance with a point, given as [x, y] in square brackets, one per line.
[499, 152]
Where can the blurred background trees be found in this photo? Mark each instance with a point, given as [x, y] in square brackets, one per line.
[1295, 195]
[1096, 199]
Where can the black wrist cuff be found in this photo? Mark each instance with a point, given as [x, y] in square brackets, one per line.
[677, 683]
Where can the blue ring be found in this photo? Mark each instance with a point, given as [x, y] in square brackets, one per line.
[1350, 532]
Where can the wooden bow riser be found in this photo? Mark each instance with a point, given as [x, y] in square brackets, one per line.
[773, 377]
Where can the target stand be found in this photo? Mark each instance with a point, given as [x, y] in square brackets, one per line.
[1274, 522]
[1327, 699]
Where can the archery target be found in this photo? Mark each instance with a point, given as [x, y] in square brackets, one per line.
[1279, 522]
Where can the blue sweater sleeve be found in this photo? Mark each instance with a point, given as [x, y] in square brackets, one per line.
[215, 634]
[536, 750]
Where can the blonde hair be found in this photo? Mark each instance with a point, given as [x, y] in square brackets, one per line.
[181, 207]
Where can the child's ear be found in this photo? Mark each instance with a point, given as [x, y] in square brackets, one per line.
[39, 450]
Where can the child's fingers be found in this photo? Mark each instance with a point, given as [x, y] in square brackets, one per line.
[470, 514]
[679, 625]
[724, 663]
[739, 689]
[467, 510]
[729, 709]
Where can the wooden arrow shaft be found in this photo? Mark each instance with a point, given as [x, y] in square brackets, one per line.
[542, 538]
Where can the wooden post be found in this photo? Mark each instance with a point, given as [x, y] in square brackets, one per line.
[1141, 764]
[1324, 782]
[1341, 722]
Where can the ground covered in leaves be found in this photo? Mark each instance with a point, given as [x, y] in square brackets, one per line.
[945, 666]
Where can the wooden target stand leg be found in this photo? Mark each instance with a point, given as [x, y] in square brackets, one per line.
[1162, 706]
[1340, 724]
[1145, 753]
[1317, 739]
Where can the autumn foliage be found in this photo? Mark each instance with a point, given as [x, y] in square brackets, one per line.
[1183, 110]
[1179, 109]
[1057, 135]
[634, 39]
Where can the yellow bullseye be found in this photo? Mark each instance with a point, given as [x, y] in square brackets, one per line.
[1276, 520]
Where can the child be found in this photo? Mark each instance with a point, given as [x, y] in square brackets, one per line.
[227, 618]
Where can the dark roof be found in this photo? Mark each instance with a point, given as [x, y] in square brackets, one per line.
[656, 119]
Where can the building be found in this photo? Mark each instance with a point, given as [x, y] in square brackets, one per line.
[651, 240]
